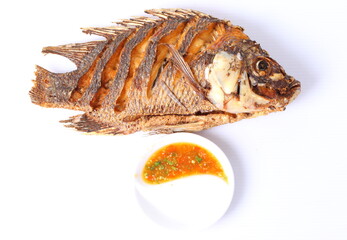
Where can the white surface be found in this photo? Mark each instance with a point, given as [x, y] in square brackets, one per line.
[290, 167]
[194, 202]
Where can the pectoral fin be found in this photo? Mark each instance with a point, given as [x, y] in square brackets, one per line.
[172, 95]
[182, 66]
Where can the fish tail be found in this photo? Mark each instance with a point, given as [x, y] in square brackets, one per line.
[40, 94]
[49, 90]
[55, 89]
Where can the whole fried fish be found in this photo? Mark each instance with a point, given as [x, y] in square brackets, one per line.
[181, 71]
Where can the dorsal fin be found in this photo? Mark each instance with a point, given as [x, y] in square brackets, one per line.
[126, 25]
[107, 32]
[137, 22]
[175, 12]
[75, 51]
[145, 19]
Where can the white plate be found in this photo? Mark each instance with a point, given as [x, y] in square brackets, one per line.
[195, 201]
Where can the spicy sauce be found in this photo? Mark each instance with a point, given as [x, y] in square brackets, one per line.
[179, 160]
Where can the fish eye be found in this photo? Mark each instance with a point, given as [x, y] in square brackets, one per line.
[262, 67]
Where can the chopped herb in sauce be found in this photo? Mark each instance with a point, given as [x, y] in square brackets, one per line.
[199, 159]
[179, 160]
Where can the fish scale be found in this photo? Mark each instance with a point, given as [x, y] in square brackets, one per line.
[164, 31]
[153, 74]
[122, 70]
[96, 80]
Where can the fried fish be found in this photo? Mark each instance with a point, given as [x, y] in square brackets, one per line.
[181, 70]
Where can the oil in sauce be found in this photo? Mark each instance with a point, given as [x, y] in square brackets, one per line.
[179, 160]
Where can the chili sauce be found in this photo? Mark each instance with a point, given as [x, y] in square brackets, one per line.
[179, 160]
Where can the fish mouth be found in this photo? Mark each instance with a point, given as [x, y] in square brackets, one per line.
[295, 85]
[295, 89]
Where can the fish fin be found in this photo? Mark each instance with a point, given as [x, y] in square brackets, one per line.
[75, 51]
[38, 91]
[53, 90]
[85, 123]
[172, 95]
[45, 92]
[175, 12]
[183, 127]
[183, 66]
[137, 22]
[107, 32]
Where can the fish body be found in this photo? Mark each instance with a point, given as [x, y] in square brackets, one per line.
[181, 71]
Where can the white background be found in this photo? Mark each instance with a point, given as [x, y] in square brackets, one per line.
[290, 167]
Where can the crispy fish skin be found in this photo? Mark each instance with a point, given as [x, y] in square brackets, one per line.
[182, 71]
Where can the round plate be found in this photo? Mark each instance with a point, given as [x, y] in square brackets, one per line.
[196, 201]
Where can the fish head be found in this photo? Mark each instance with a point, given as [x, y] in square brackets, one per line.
[245, 79]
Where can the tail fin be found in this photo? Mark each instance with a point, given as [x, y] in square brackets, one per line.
[40, 93]
[50, 89]
[54, 89]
